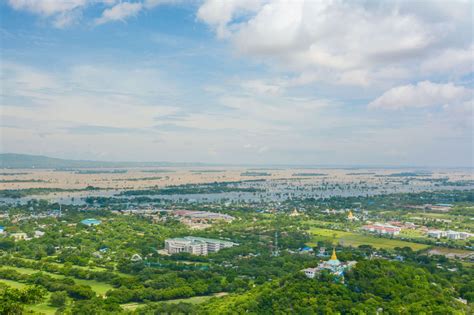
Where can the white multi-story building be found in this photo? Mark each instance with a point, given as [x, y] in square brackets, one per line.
[436, 233]
[195, 245]
[453, 235]
[464, 235]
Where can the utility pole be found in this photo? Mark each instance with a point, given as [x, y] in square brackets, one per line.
[276, 251]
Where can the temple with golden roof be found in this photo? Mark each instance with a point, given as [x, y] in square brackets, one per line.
[333, 265]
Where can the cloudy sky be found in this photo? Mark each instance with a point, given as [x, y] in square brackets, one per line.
[239, 81]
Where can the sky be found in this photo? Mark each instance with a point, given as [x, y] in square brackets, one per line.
[326, 82]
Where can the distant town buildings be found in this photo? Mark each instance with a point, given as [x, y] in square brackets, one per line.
[383, 229]
[203, 215]
[404, 225]
[91, 222]
[38, 234]
[195, 245]
[20, 236]
[333, 265]
[200, 219]
[439, 207]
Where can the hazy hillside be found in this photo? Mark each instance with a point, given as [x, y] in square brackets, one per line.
[12, 160]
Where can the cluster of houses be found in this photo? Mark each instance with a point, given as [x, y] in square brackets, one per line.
[199, 219]
[21, 236]
[192, 218]
[195, 245]
[439, 207]
[452, 235]
[383, 229]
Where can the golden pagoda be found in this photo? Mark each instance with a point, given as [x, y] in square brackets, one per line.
[333, 256]
[295, 213]
[350, 216]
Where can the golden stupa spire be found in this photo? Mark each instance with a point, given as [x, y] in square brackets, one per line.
[333, 256]
[350, 216]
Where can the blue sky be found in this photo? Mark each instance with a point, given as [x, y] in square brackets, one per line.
[248, 81]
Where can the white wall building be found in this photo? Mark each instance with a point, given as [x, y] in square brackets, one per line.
[452, 235]
[195, 245]
[436, 233]
[19, 236]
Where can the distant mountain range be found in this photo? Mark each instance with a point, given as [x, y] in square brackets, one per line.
[13, 160]
[17, 161]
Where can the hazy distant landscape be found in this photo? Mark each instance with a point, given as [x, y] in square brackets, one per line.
[377, 219]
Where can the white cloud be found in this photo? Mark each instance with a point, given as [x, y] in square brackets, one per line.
[219, 14]
[452, 61]
[112, 97]
[120, 12]
[64, 13]
[150, 4]
[422, 94]
[261, 87]
[342, 42]
[47, 7]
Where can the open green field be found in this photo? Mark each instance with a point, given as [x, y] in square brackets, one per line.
[413, 234]
[92, 268]
[355, 239]
[30, 271]
[43, 308]
[13, 284]
[192, 300]
[99, 287]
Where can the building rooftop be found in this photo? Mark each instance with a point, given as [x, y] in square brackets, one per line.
[200, 239]
[91, 222]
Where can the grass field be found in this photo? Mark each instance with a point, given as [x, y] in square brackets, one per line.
[355, 239]
[61, 265]
[13, 284]
[43, 308]
[99, 287]
[192, 300]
